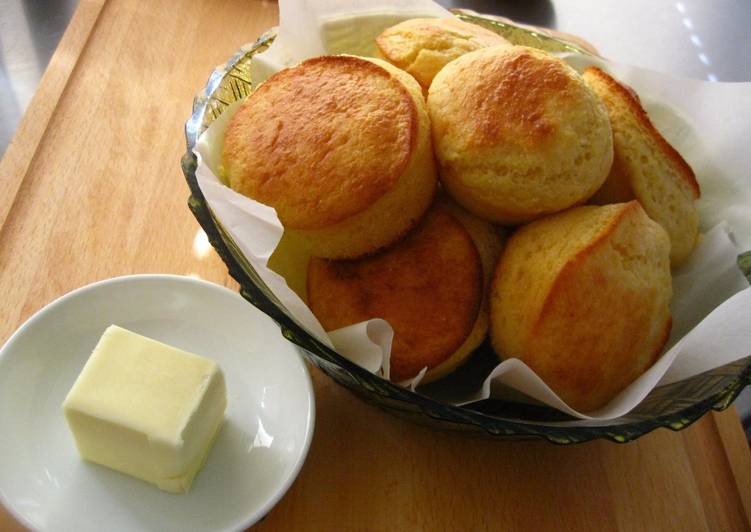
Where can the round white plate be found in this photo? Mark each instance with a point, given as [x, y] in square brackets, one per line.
[259, 451]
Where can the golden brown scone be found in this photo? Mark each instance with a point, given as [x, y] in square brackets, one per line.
[647, 167]
[340, 147]
[429, 287]
[582, 298]
[423, 46]
[518, 134]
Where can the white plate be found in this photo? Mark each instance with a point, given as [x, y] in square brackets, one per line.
[259, 451]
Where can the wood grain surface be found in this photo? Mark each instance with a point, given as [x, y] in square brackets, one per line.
[91, 188]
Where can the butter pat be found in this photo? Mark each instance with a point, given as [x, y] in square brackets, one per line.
[146, 409]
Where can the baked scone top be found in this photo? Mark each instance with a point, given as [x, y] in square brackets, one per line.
[423, 46]
[630, 100]
[428, 286]
[321, 141]
[519, 131]
[647, 167]
[582, 297]
[508, 95]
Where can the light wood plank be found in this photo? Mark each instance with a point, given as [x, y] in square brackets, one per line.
[30, 131]
[99, 192]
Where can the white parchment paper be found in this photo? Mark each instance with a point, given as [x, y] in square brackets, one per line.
[709, 123]
[321, 27]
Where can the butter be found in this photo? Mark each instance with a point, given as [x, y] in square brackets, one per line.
[146, 409]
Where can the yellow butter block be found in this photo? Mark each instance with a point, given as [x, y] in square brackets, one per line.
[146, 409]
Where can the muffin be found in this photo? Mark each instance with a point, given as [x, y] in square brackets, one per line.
[518, 134]
[423, 46]
[430, 287]
[340, 147]
[646, 167]
[582, 298]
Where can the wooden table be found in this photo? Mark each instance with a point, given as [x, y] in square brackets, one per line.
[91, 188]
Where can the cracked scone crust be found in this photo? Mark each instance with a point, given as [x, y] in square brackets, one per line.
[518, 134]
[340, 147]
[646, 167]
[429, 287]
[582, 298]
[423, 46]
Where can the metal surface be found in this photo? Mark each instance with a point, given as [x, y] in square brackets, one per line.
[689, 38]
[29, 33]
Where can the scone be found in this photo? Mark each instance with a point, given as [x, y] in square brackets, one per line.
[429, 287]
[647, 167]
[340, 147]
[423, 46]
[582, 298]
[518, 134]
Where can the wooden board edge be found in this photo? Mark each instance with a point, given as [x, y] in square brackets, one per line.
[730, 431]
[21, 151]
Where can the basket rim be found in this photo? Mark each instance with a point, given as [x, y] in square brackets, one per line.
[318, 352]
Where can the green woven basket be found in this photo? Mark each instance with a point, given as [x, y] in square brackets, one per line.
[674, 406]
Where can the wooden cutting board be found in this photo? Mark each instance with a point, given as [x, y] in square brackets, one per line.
[91, 188]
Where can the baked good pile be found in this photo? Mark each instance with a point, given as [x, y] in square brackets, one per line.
[403, 176]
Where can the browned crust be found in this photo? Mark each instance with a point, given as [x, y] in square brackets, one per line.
[327, 177]
[579, 258]
[581, 382]
[509, 99]
[429, 287]
[631, 100]
[429, 27]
